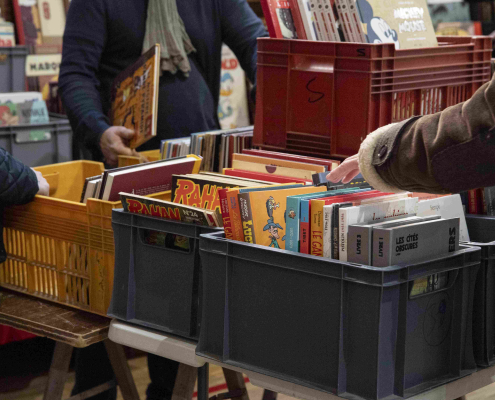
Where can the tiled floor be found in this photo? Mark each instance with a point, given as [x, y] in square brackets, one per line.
[33, 390]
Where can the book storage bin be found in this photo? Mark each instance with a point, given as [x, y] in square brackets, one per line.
[323, 98]
[13, 69]
[482, 234]
[57, 149]
[60, 249]
[343, 328]
[156, 283]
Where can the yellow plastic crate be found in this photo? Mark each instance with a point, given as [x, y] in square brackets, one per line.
[151, 155]
[59, 249]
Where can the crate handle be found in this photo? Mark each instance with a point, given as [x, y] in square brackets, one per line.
[52, 180]
[165, 240]
[451, 276]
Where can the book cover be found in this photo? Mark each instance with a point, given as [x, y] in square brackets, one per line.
[273, 169]
[268, 211]
[318, 19]
[329, 164]
[167, 210]
[298, 22]
[414, 242]
[28, 22]
[235, 215]
[446, 207]
[407, 26]
[279, 19]
[7, 36]
[327, 231]
[52, 18]
[32, 113]
[146, 178]
[308, 20]
[239, 173]
[369, 213]
[134, 97]
[224, 208]
[268, 161]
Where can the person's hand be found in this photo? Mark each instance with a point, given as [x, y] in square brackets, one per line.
[114, 141]
[44, 187]
[345, 171]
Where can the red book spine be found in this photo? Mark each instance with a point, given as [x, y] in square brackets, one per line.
[473, 201]
[304, 234]
[19, 26]
[224, 208]
[270, 24]
[483, 206]
[298, 22]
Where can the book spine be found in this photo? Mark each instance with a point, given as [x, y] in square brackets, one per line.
[327, 227]
[473, 201]
[359, 244]
[235, 215]
[343, 234]
[381, 248]
[332, 23]
[298, 22]
[270, 23]
[356, 22]
[292, 224]
[304, 227]
[307, 18]
[317, 16]
[335, 231]
[347, 20]
[338, 6]
[316, 226]
[483, 205]
[224, 207]
[490, 200]
[246, 217]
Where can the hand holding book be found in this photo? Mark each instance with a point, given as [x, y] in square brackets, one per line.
[114, 142]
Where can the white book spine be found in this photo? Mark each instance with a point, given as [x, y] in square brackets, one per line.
[322, 35]
[332, 22]
[307, 17]
[356, 21]
[369, 213]
[327, 231]
[317, 6]
[348, 21]
[338, 6]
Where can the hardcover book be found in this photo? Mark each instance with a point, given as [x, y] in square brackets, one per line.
[414, 242]
[168, 210]
[134, 97]
[279, 19]
[407, 26]
[329, 164]
[308, 20]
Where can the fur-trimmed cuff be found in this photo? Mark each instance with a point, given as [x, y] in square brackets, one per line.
[368, 171]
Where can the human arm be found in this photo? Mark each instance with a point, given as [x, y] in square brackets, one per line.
[19, 183]
[446, 152]
[240, 30]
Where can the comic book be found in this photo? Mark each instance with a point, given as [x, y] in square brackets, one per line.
[134, 97]
[263, 215]
[168, 210]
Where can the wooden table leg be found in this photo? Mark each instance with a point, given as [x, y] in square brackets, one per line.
[58, 371]
[235, 381]
[203, 382]
[121, 370]
[184, 382]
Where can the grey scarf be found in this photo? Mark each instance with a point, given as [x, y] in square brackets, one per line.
[165, 27]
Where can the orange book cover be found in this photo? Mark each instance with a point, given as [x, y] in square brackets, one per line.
[235, 215]
[263, 214]
[279, 163]
[134, 97]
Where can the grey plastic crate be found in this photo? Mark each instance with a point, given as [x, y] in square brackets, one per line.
[155, 285]
[338, 327]
[35, 153]
[13, 69]
[482, 233]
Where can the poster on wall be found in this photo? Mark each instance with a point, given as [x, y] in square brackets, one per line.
[233, 111]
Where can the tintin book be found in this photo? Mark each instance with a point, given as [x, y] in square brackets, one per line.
[134, 97]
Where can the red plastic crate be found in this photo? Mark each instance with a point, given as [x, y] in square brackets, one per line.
[323, 98]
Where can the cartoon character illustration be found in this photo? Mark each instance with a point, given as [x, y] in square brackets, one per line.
[7, 117]
[126, 94]
[225, 109]
[292, 214]
[140, 80]
[271, 206]
[226, 84]
[378, 30]
[272, 229]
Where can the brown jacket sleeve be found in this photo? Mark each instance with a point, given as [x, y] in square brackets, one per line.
[447, 152]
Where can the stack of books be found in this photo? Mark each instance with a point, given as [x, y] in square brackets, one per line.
[359, 21]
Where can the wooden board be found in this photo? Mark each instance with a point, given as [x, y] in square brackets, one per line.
[74, 327]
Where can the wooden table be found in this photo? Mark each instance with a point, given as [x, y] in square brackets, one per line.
[185, 351]
[69, 328]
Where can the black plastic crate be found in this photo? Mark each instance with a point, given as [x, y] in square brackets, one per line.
[338, 327]
[482, 233]
[13, 69]
[56, 148]
[156, 280]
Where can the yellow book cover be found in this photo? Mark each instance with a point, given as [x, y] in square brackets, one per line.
[316, 228]
[263, 214]
[235, 215]
[134, 97]
[278, 163]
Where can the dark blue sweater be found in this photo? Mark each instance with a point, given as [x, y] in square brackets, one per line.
[103, 37]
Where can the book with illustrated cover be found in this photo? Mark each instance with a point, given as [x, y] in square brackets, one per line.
[263, 215]
[134, 97]
[279, 19]
[405, 24]
[414, 242]
[168, 210]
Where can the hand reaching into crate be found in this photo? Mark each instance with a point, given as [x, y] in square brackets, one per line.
[346, 171]
[44, 187]
[114, 142]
